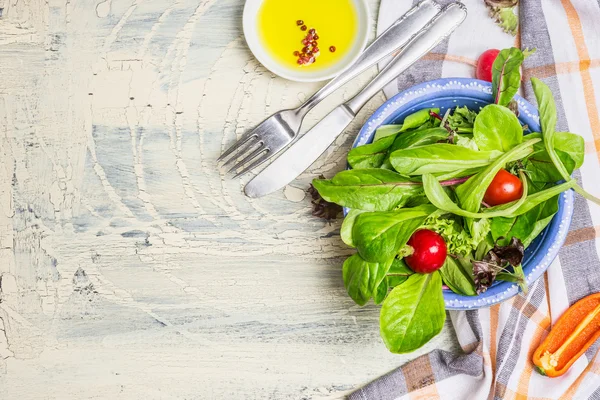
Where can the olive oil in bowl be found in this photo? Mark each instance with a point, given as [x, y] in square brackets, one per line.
[309, 35]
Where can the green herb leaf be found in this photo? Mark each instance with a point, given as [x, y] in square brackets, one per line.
[505, 17]
[385, 131]
[412, 121]
[382, 291]
[322, 208]
[547, 108]
[535, 199]
[368, 189]
[478, 228]
[472, 191]
[461, 120]
[370, 155]
[484, 246]
[439, 198]
[500, 227]
[417, 119]
[547, 212]
[527, 52]
[516, 276]
[497, 128]
[456, 278]
[420, 137]
[413, 313]
[465, 141]
[347, 225]
[362, 278]
[459, 173]
[526, 226]
[439, 158]
[570, 149]
[398, 273]
[506, 75]
[379, 236]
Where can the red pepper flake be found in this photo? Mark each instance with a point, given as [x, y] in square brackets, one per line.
[308, 54]
[332, 49]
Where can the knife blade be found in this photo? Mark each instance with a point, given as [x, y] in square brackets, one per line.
[307, 148]
[298, 157]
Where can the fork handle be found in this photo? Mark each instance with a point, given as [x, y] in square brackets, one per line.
[394, 38]
[440, 27]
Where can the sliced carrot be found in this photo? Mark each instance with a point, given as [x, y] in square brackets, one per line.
[574, 332]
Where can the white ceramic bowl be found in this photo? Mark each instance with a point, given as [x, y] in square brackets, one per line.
[255, 44]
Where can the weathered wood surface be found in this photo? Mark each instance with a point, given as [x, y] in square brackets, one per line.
[129, 267]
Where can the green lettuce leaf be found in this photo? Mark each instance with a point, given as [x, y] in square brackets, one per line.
[379, 236]
[362, 278]
[457, 279]
[413, 313]
[368, 189]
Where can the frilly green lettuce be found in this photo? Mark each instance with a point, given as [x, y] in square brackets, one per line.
[457, 239]
[506, 18]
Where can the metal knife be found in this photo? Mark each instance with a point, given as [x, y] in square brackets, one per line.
[298, 157]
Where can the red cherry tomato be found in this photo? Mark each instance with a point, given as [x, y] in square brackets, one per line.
[484, 64]
[429, 251]
[504, 188]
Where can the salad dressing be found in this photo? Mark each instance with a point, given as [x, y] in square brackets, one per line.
[334, 24]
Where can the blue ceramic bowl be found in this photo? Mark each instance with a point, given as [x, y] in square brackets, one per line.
[473, 93]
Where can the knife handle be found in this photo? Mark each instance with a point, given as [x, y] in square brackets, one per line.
[440, 27]
[394, 38]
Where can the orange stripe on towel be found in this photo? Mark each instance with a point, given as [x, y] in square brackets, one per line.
[523, 385]
[451, 58]
[569, 67]
[584, 66]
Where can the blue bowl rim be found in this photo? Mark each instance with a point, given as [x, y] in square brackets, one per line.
[554, 235]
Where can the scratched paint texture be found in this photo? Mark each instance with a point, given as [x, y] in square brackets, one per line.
[129, 267]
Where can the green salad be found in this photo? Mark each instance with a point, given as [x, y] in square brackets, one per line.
[450, 201]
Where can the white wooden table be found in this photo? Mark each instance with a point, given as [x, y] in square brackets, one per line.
[129, 267]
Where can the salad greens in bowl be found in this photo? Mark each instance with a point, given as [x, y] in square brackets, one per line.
[459, 194]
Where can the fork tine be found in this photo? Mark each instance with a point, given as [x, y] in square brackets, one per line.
[255, 164]
[249, 158]
[245, 148]
[243, 140]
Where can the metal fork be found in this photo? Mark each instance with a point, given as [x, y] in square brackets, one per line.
[280, 129]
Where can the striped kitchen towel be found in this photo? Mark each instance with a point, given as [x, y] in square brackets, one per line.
[498, 342]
